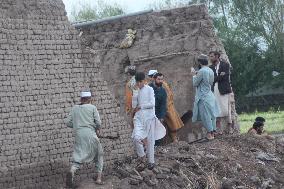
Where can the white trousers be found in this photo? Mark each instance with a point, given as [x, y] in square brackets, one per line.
[137, 139]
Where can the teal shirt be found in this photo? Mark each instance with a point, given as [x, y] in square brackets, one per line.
[85, 120]
[82, 116]
[203, 82]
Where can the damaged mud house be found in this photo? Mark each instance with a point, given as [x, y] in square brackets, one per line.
[45, 62]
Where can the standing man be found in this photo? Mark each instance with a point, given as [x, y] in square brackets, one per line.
[172, 119]
[86, 122]
[160, 96]
[221, 88]
[147, 128]
[205, 106]
[130, 89]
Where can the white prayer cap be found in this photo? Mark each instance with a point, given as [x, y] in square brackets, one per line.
[152, 72]
[86, 94]
[275, 73]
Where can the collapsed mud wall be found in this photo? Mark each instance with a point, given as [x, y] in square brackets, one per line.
[43, 69]
[169, 41]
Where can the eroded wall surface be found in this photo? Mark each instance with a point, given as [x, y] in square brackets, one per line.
[43, 69]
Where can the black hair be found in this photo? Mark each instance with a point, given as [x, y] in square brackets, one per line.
[257, 124]
[85, 100]
[139, 76]
[203, 62]
[260, 119]
[216, 53]
[131, 72]
[157, 75]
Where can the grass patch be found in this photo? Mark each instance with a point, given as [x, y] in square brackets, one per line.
[274, 121]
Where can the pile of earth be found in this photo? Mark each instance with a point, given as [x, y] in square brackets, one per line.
[227, 162]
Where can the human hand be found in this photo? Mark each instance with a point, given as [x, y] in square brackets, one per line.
[193, 72]
[136, 109]
[98, 132]
[222, 73]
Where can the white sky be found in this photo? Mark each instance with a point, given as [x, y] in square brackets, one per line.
[128, 5]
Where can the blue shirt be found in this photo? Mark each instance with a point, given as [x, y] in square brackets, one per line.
[161, 101]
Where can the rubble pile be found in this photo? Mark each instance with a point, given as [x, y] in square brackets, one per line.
[227, 162]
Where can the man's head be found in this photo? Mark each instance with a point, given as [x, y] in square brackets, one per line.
[260, 119]
[258, 126]
[140, 77]
[159, 78]
[151, 74]
[202, 60]
[131, 70]
[214, 57]
[86, 97]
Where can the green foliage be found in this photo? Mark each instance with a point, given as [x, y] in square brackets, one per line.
[84, 11]
[253, 37]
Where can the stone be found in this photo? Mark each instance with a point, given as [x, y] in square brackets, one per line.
[211, 156]
[134, 181]
[255, 179]
[122, 173]
[162, 176]
[267, 157]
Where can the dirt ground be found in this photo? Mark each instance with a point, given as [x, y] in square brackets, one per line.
[227, 162]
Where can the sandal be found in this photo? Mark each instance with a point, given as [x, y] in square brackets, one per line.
[99, 183]
[141, 166]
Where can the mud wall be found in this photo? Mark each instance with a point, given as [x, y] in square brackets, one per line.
[43, 70]
[169, 41]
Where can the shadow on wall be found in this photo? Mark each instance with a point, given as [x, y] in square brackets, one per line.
[191, 131]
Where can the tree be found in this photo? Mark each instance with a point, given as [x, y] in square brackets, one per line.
[100, 9]
[253, 37]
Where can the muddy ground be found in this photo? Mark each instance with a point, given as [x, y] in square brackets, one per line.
[227, 162]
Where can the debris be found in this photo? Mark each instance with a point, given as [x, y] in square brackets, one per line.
[129, 39]
[241, 163]
[266, 157]
[211, 156]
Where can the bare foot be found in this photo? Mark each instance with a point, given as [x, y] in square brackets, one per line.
[175, 140]
[210, 136]
[99, 179]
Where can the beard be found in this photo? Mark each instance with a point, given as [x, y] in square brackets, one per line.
[158, 84]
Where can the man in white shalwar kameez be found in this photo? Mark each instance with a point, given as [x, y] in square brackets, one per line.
[85, 120]
[147, 127]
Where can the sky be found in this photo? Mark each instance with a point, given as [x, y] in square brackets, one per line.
[128, 5]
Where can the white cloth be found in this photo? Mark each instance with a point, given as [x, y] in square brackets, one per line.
[217, 67]
[146, 123]
[223, 102]
[152, 72]
[86, 94]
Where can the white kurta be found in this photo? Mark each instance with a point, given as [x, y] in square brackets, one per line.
[146, 124]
